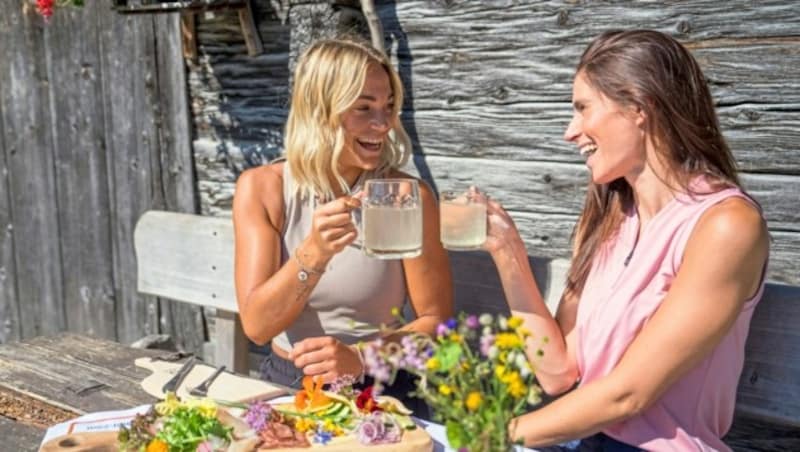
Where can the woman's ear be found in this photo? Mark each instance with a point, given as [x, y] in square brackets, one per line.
[640, 116]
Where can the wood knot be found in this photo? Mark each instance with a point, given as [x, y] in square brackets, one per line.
[751, 115]
[562, 18]
[753, 377]
[684, 26]
[500, 93]
[547, 178]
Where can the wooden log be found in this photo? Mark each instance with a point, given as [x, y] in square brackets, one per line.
[82, 194]
[28, 145]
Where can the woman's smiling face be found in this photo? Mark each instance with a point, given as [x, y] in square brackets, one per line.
[611, 136]
[367, 124]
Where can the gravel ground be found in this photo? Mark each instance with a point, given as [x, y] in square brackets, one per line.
[30, 411]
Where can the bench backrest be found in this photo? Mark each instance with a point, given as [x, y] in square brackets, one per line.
[770, 384]
[190, 258]
[186, 257]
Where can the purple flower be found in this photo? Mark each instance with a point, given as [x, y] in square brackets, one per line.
[376, 429]
[472, 322]
[442, 330]
[452, 324]
[257, 415]
[367, 432]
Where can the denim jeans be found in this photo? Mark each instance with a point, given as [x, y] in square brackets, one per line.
[598, 442]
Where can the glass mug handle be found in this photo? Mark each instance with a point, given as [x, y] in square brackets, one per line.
[356, 214]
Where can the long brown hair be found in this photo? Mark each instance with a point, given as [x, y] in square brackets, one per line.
[653, 72]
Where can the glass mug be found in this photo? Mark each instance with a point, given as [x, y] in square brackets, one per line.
[391, 219]
[462, 219]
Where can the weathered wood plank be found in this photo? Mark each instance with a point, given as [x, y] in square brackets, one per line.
[762, 137]
[10, 328]
[559, 188]
[175, 167]
[769, 386]
[76, 372]
[132, 142]
[752, 434]
[455, 38]
[28, 143]
[80, 169]
[478, 94]
[188, 258]
[16, 435]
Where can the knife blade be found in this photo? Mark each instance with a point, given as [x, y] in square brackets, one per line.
[174, 382]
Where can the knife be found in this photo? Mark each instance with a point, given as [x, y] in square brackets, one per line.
[174, 382]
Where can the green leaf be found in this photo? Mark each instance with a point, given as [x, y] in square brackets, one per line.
[448, 355]
[456, 435]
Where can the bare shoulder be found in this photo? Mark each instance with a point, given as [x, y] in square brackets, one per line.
[260, 189]
[259, 178]
[734, 221]
[730, 243]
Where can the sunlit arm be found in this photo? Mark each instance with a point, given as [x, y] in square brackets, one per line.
[264, 288]
[556, 369]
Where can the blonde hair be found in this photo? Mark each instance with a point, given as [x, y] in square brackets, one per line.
[328, 79]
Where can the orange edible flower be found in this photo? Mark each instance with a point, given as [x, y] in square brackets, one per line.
[311, 396]
[157, 445]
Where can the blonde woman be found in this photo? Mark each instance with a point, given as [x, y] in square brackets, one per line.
[298, 283]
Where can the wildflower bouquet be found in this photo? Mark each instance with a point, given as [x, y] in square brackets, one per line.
[474, 374]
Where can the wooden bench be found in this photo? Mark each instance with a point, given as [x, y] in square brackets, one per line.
[189, 258]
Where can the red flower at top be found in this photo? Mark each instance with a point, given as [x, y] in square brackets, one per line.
[45, 7]
[365, 402]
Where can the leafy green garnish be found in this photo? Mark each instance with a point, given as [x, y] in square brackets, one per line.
[186, 427]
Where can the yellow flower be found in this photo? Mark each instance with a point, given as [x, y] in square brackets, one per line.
[303, 425]
[517, 388]
[514, 322]
[507, 340]
[473, 400]
[395, 311]
[206, 407]
[168, 405]
[455, 337]
[334, 429]
[432, 364]
[445, 390]
[499, 371]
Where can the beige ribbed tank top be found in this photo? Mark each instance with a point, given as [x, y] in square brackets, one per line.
[356, 293]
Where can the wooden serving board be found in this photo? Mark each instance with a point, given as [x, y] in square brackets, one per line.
[227, 386]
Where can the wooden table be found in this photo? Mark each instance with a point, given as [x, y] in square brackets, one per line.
[77, 373]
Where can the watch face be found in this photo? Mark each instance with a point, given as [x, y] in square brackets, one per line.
[302, 275]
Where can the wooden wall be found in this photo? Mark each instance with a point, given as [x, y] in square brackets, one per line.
[94, 131]
[490, 88]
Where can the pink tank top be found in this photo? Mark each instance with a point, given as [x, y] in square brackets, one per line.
[619, 299]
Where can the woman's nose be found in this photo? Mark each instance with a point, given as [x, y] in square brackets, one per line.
[380, 120]
[573, 130]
